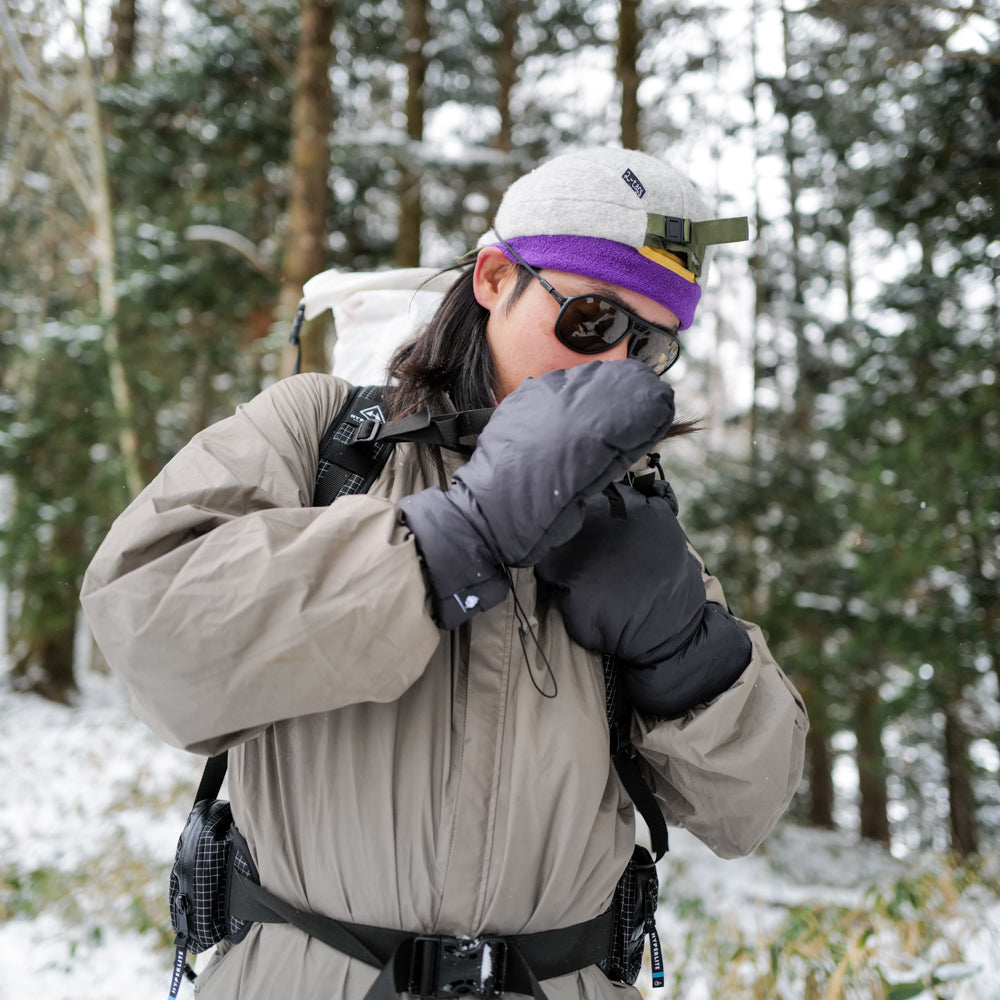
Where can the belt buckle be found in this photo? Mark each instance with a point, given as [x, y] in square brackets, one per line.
[448, 967]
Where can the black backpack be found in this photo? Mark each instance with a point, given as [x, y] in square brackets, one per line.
[213, 864]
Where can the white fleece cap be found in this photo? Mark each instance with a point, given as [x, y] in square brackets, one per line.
[619, 216]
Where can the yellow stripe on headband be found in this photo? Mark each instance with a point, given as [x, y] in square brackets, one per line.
[670, 261]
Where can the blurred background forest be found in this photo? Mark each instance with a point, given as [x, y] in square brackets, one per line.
[171, 173]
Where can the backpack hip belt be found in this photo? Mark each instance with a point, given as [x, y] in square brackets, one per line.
[428, 965]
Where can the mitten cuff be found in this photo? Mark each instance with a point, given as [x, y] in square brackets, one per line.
[462, 578]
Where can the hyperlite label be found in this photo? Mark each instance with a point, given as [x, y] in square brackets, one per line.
[180, 959]
[655, 958]
[634, 183]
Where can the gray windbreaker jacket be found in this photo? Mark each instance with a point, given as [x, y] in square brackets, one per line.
[385, 772]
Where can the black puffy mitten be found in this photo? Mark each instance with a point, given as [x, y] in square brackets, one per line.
[627, 584]
[553, 442]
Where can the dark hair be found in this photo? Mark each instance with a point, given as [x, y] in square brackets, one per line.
[451, 359]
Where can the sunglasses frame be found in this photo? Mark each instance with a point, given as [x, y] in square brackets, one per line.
[636, 324]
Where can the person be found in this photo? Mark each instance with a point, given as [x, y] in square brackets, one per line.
[409, 681]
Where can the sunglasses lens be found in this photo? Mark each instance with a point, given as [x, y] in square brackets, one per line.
[589, 324]
[654, 348]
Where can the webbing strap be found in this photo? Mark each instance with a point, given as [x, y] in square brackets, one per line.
[212, 777]
[359, 440]
[689, 239]
[530, 957]
[249, 901]
[346, 466]
[444, 429]
[643, 799]
[624, 757]
[665, 231]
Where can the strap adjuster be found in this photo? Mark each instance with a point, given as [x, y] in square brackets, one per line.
[449, 967]
[367, 431]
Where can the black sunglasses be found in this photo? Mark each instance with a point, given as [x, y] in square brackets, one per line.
[592, 324]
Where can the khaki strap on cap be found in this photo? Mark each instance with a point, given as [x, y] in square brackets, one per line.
[682, 236]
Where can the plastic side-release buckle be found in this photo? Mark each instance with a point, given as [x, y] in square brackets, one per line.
[447, 967]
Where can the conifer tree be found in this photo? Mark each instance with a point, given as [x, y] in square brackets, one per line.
[920, 422]
[876, 460]
[186, 147]
[58, 200]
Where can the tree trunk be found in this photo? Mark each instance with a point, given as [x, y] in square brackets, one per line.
[411, 211]
[123, 20]
[871, 767]
[628, 71]
[757, 268]
[821, 792]
[507, 66]
[45, 667]
[961, 800]
[42, 635]
[308, 198]
[96, 195]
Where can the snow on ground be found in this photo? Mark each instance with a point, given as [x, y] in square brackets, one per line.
[91, 805]
[88, 798]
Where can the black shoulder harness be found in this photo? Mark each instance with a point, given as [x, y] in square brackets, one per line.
[346, 464]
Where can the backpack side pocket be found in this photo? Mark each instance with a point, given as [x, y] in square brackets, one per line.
[634, 906]
[197, 879]
[240, 862]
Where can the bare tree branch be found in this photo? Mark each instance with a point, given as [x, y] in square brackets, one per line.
[235, 241]
[28, 83]
[67, 159]
[107, 266]
[26, 75]
[86, 172]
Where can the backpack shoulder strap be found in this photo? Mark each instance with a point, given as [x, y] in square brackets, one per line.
[343, 467]
[212, 777]
[347, 465]
[454, 431]
[623, 754]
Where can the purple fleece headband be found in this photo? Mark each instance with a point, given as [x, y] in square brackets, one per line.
[613, 262]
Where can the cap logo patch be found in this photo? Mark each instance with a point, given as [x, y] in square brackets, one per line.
[633, 182]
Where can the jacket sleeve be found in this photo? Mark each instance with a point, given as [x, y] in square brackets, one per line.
[226, 603]
[727, 770]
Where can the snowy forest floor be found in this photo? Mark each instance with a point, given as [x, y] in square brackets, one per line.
[91, 805]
